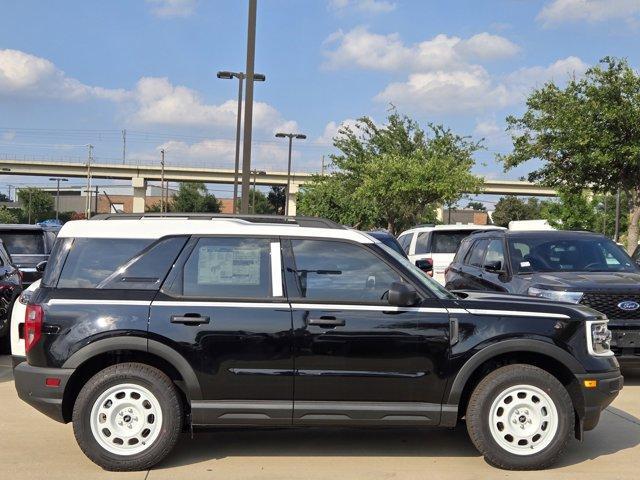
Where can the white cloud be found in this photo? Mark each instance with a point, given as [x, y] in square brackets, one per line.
[8, 136]
[28, 75]
[172, 8]
[472, 89]
[591, 11]
[487, 128]
[159, 102]
[361, 48]
[362, 6]
[331, 130]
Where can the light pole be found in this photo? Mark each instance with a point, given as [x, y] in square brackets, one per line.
[162, 181]
[58, 180]
[89, 160]
[226, 75]
[255, 174]
[290, 136]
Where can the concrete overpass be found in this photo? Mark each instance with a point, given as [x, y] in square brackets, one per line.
[140, 174]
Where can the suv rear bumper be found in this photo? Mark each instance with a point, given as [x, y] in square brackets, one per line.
[597, 399]
[31, 388]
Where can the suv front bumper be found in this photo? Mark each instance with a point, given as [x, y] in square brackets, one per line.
[597, 399]
[32, 388]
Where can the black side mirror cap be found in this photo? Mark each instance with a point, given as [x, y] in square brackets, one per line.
[402, 295]
[41, 266]
[493, 266]
[425, 264]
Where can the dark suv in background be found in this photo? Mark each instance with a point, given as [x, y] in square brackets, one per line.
[28, 246]
[10, 288]
[576, 267]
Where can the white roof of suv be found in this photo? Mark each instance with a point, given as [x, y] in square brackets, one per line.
[452, 227]
[144, 226]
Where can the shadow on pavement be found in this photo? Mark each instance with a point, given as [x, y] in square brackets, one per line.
[631, 375]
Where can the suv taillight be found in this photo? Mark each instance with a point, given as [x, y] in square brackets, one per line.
[32, 326]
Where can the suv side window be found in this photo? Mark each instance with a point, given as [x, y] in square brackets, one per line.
[495, 252]
[422, 242]
[475, 256]
[334, 271]
[405, 241]
[228, 267]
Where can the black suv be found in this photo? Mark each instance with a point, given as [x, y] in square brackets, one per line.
[10, 289]
[144, 328]
[28, 246]
[577, 267]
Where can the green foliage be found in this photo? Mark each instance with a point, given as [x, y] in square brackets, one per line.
[478, 206]
[512, 208]
[259, 203]
[193, 197]
[7, 216]
[277, 199]
[36, 204]
[391, 176]
[587, 135]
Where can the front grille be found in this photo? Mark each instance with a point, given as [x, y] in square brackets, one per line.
[607, 303]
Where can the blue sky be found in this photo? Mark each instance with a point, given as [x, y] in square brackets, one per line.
[78, 72]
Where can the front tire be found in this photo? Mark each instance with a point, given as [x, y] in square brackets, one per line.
[520, 417]
[128, 417]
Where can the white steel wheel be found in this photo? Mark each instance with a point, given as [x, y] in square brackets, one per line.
[126, 419]
[523, 420]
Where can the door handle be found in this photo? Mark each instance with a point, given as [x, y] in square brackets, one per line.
[326, 321]
[190, 319]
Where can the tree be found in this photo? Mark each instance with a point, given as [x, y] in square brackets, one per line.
[36, 203]
[6, 216]
[258, 203]
[587, 135]
[277, 199]
[4, 198]
[194, 197]
[391, 176]
[478, 206]
[511, 208]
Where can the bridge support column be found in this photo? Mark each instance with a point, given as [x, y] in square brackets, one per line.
[292, 199]
[139, 185]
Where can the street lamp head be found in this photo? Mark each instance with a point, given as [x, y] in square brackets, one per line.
[259, 77]
[60, 179]
[301, 136]
[225, 75]
[281, 135]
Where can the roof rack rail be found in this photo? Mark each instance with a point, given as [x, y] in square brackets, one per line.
[314, 222]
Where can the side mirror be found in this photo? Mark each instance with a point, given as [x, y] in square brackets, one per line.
[425, 264]
[402, 295]
[493, 266]
[41, 266]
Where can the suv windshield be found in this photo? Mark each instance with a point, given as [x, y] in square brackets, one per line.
[565, 254]
[23, 242]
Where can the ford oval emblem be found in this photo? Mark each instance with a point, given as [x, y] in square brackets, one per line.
[628, 305]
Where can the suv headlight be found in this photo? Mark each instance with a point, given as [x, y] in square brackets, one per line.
[598, 338]
[557, 295]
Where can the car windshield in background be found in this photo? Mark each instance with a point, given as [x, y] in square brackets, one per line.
[587, 254]
[449, 241]
[23, 242]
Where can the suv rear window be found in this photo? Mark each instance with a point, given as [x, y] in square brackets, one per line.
[449, 241]
[23, 242]
[92, 260]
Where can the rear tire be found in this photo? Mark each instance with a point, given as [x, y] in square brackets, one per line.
[520, 417]
[128, 417]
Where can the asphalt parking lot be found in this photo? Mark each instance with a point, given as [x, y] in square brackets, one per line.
[35, 447]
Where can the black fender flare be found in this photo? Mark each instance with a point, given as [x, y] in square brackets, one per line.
[140, 344]
[509, 346]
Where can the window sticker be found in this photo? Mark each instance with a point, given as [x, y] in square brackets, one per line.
[229, 266]
[525, 264]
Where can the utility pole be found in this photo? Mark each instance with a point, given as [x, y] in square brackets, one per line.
[290, 136]
[58, 180]
[162, 181]
[124, 146]
[248, 105]
[95, 201]
[322, 168]
[604, 216]
[88, 192]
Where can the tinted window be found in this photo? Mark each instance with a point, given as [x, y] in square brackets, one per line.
[475, 256]
[147, 270]
[449, 241]
[566, 254]
[228, 268]
[422, 242]
[337, 271]
[92, 260]
[54, 265]
[495, 252]
[405, 241]
[390, 241]
[23, 242]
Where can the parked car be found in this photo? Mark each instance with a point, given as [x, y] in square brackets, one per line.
[143, 328]
[28, 246]
[10, 288]
[636, 255]
[17, 323]
[437, 244]
[576, 267]
[390, 241]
